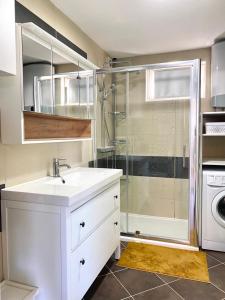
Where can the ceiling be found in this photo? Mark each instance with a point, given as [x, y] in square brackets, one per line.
[136, 27]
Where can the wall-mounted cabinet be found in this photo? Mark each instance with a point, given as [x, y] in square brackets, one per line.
[7, 38]
[53, 91]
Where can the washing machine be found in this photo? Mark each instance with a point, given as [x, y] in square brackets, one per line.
[213, 210]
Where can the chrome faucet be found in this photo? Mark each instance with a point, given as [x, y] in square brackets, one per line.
[57, 166]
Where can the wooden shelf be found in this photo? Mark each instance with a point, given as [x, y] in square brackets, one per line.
[211, 134]
[213, 162]
[213, 113]
[39, 126]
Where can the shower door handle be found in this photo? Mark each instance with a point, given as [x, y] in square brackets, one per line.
[184, 157]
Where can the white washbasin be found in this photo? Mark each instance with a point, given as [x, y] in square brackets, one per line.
[80, 185]
[79, 178]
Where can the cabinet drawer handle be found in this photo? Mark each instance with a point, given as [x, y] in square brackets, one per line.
[82, 261]
[116, 223]
[116, 196]
[82, 224]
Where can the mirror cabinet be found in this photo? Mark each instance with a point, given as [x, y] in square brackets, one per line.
[52, 97]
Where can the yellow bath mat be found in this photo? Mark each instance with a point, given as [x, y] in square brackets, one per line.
[168, 261]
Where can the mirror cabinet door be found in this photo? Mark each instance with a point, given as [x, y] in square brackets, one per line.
[72, 85]
[53, 83]
[37, 75]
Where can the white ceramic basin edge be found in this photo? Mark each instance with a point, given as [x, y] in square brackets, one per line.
[80, 185]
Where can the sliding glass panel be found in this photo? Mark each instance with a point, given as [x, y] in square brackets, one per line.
[153, 139]
[158, 194]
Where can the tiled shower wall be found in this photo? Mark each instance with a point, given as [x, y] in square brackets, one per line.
[158, 129]
[156, 132]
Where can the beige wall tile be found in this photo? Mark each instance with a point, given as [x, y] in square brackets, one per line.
[71, 151]
[27, 162]
[154, 196]
[150, 196]
[213, 147]
[181, 209]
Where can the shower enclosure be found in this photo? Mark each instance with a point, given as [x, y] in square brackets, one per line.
[148, 125]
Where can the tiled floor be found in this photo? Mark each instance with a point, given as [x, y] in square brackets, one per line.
[115, 283]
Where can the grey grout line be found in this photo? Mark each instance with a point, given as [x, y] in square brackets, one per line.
[104, 274]
[175, 292]
[117, 271]
[177, 279]
[148, 290]
[215, 266]
[123, 243]
[168, 284]
[214, 258]
[120, 283]
[217, 287]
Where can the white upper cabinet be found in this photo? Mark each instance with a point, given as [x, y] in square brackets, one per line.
[51, 81]
[7, 38]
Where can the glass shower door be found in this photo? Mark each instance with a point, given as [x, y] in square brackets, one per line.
[154, 111]
[159, 128]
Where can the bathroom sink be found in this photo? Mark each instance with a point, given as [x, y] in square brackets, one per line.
[79, 178]
[74, 187]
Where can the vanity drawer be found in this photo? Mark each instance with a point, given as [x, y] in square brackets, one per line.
[89, 259]
[85, 219]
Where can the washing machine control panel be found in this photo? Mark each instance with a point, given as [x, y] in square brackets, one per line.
[216, 180]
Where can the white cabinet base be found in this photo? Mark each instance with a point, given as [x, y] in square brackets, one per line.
[44, 246]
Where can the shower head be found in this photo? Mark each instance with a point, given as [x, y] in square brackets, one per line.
[106, 92]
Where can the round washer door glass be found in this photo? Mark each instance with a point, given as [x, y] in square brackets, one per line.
[221, 207]
[218, 208]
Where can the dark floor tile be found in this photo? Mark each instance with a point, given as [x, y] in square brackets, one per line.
[123, 244]
[193, 290]
[217, 276]
[104, 271]
[160, 293]
[106, 287]
[211, 261]
[167, 278]
[112, 264]
[138, 281]
[218, 255]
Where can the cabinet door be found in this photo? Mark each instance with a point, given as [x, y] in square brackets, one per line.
[88, 217]
[7, 38]
[88, 260]
[37, 73]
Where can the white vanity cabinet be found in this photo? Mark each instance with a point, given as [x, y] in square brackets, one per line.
[60, 249]
[7, 38]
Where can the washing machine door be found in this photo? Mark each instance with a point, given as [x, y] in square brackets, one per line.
[218, 208]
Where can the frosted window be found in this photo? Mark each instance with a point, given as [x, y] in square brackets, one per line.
[167, 83]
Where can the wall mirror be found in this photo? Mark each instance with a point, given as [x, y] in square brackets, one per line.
[55, 80]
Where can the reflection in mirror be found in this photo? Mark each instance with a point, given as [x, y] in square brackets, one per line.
[73, 88]
[53, 83]
[37, 59]
[74, 94]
